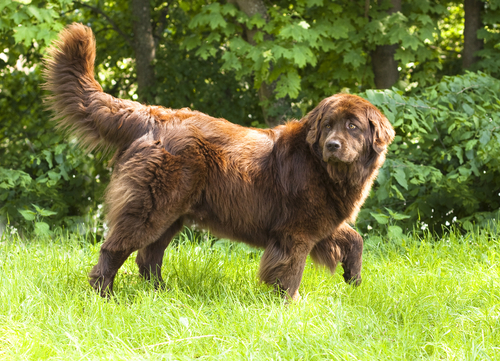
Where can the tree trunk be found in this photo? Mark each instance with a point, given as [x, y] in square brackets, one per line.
[270, 105]
[385, 67]
[144, 47]
[472, 24]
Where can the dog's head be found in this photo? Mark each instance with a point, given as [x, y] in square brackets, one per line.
[345, 128]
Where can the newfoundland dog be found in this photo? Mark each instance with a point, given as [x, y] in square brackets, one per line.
[291, 190]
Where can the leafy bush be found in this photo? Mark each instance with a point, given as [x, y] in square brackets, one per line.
[444, 165]
[44, 179]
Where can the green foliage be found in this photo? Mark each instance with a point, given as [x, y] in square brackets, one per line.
[442, 168]
[26, 26]
[32, 20]
[490, 55]
[183, 78]
[444, 165]
[44, 180]
[314, 49]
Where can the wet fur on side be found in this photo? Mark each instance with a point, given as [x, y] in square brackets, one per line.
[291, 190]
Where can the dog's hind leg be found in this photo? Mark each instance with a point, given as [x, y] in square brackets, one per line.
[128, 234]
[148, 193]
[150, 258]
[102, 276]
[282, 264]
[344, 245]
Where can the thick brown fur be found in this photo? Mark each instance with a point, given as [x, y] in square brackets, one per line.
[290, 190]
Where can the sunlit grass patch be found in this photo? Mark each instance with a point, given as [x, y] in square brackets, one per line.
[420, 298]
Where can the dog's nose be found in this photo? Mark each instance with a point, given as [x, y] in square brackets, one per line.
[333, 145]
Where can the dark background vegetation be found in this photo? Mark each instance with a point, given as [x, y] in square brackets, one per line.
[431, 66]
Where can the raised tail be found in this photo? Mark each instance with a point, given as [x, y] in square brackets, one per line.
[97, 119]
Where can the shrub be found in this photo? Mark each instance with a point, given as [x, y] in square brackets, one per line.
[444, 165]
[45, 181]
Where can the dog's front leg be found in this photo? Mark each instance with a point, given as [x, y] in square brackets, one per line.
[352, 257]
[283, 263]
[344, 245]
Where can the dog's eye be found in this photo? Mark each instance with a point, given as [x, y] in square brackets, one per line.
[328, 126]
[351, 126]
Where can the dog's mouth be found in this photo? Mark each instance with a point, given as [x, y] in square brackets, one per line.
[332, 158]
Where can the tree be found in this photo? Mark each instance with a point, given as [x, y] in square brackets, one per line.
[472, 24]
[144, 47]
[385, 66]
[139, 22]
[271, 106]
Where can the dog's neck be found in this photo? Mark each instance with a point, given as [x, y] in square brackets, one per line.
[350, 184]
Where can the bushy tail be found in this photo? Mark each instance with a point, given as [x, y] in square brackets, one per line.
[80, 106]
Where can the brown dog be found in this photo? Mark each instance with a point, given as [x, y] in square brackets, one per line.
[291, 189]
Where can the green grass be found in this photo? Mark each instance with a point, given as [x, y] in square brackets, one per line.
[420, 299]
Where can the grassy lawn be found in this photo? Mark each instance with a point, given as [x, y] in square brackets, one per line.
[420, 299]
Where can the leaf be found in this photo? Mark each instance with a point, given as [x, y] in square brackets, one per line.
[400, 176]
[54, 175]
[467, 108]
[382, 194]
[354, 58]
[19, 17]
[256, 20]
[213, 37]
[399, 195]
[229, 9]
[258, 37]
[231, 61]
[27, 214]
[33, 10]
[395, 232]
[468, 226]
[217, 21]
[397, 216]
[380, 218]
[299, 57]
[59, 158]
[25, 34]
[293, 32]
[427, 34]
[410, 41]
[459, 153]
[303, 55]
[281, 52]
[288, 84]
[485, 137]
[191, 42]
[42, 229]
[470, 144]
[43, 212]
[48, 157]
[340, 29]
[311, 3]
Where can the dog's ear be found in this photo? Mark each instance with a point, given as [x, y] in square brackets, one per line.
[383, 133]
[313, 120]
